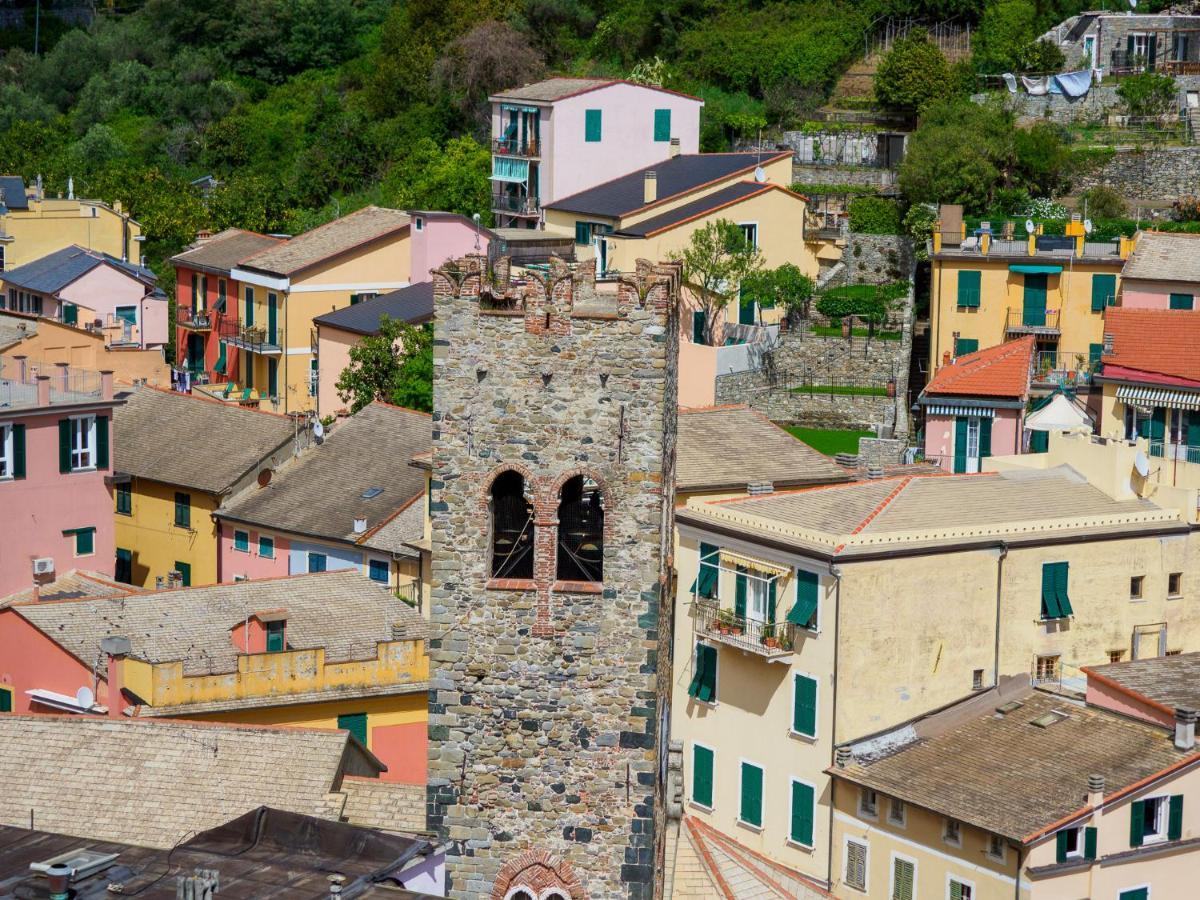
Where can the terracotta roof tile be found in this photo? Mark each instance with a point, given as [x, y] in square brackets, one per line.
[1163, 341]
[225, 250]
[330, 239]
[999, 371]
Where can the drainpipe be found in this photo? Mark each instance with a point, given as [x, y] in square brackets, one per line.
[836, 571]
[999, 585]
[1017, 888]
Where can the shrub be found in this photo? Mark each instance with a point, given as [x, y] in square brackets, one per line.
[1187, 209]
[1104, 203]
[874, 215]
[912, 73]
[1147, 94]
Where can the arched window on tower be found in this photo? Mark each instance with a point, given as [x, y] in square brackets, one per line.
[512, 528]
[580, 531]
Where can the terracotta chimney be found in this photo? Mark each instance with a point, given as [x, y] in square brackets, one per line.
[116, 648]
[21, 368]
[1185, 728]
[946, 358]
[43, 390]
[106, 384]
[650, 187]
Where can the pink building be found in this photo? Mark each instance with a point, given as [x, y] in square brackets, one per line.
[439, 236]
[91, 290]
[1163, 272]
[55, 448]
[558, 137]
[975, 406]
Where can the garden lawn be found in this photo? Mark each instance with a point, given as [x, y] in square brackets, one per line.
[829, 441]
[855, 390]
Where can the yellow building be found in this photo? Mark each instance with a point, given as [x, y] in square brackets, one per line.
[320, 651]
[1021, 793]
[985, 291]
[45, 342]
[33, 225]
[809, 618]
[177, 458]
[283, 288]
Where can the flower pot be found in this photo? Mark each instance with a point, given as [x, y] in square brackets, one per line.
[891, 387]
[845, 328]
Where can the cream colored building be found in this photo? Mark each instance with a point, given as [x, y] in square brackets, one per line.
[1018, 793]
[33, 225]
[834, 612]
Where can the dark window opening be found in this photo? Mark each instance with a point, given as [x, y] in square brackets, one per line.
[580, 531]
[512, 528]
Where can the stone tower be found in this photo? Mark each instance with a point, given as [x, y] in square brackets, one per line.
[553, 505]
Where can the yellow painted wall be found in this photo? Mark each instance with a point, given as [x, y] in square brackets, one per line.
[157, 542]
[53, 224]
[1001, 290]
[54, 343]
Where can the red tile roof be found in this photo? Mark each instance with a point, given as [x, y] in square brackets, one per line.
[999, 371]
[1163, 341]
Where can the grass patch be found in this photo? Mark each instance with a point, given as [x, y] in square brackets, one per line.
[852, 390]
[836, 331]
[829, 441]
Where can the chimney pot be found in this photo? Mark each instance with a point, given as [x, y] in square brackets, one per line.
[1185, 728]
[1095, 790]
[675, 148]
[946, 358]
[842, 757]
[650, 187]
[360, 526]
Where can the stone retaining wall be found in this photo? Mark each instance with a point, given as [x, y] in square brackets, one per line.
[825, 411]
[881, 451]
[1162, 174]
[822, 173]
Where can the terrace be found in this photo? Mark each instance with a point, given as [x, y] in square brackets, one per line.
[254, 338]
[25, 385]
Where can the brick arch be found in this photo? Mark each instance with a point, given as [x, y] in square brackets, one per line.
[557, 485]
[538, 872]
[531, 481]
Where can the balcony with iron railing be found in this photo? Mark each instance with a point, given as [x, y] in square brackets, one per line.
[254, 338]
[527, 149]
[21, 380]
[515, 204]
[194, 319]
[1031, 320]
[1063, 367]
[1180, 452]
[770, 641]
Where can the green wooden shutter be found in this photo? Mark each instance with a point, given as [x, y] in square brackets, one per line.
[1181, 301]
[1104, 289]
[1060, 845]
[1136, 822]
[1049, 593]
[702, 776]
[1152, 49]
[70, 314]
[1135, 894]
[699, 319]
[985, 437]
[963, 346]
[804, 705]
[1060, 588]
[751, 799]
[1039, 441]
[969, 288]
[704, 679]
[241, 541]
[353, 299]
[592, 126]
[64, 445]
[956, 889]
[1095, 354]
[184, 569]
[739, 595]
[18, 444]
[183, 510]
[771, 602]
[902, 880]
[1175, 818]
[697, 682]
[356, 724]
[249, 307]
[1089, 843]
[6, 704]
[804, 613]
[275, 637]
[1034, 300]
[1158, 424]
[583, 233]
[960, 443]
[85, 541]
[802, 813]
[662, 125]
[102, 442]
[1193, 429]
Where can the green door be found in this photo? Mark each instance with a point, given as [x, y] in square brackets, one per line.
[1034, 306]
[745, 313]
[195, 353]
[273, 318]
[698, 321]
[273, 377]
[356, 724]
[6, 704]
[1158, 431]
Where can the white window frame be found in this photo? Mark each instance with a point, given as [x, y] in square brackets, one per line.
[863, 811]
[866, 845]
[1003, 855]
[762, 800]
[892, 874]
[798, 673]
[791, 799]
[1077, 853]
[756, 600]
[955, 840]
[974, 431]
[1162, 806]
[83, 443]
[744, 226]
[902, 822]
[951, 877]
[692, 777]
[6, 452]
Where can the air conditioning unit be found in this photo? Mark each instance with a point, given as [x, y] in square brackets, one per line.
[43, 566]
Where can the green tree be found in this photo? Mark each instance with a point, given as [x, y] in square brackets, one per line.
[1007, 39]
[960, 153]
[715, 263]
[785, 286]
[453, 178]
[912, 73]
[395, 366]
[1147, 94]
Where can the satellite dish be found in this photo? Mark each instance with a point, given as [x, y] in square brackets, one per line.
[1133, 3]
[1087, 226]
[318, 429]
[1141, 464]
[1029, 226]
[85, 698]
[760, 174]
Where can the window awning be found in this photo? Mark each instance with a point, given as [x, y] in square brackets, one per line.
[953, 409]
[506, 168]
[770, 570]
[1157, 396]
[1029, 269]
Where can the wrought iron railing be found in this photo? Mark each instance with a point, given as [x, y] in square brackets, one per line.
[768, 639]
[511, 203]
[190, 317]
[515, 147]
[1168, 450]
[1062, 367]
[255, 338]
[1031, 318]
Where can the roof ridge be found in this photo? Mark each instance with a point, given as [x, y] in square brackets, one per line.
[371, 532]
[158, 722]
[905, 481]
[698, 842]
[213, 400]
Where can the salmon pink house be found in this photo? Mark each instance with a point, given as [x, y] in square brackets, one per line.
[56, 511]
[975, 406]
[1162, 272]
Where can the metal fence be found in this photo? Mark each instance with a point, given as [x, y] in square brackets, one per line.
[741, 632]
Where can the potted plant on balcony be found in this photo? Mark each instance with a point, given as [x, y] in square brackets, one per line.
[769, 639]
[724, 620]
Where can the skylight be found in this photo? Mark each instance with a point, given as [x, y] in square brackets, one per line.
[371, 493]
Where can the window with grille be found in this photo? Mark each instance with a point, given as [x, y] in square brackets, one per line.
[996, 847]
[1046, 668]
[897, 811]
[952, 832]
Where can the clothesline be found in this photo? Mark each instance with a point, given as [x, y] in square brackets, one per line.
[1068, 84]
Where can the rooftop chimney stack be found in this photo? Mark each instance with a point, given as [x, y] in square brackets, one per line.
[675, 149]
[116, 648]
[946, 358]
[1185, 728]
[650, 187]
[1095, 795]
[360, 526]
[842, 757]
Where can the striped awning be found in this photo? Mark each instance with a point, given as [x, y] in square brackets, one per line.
[1158, 396]
[953, 409]
[507, 169]
[768, 569]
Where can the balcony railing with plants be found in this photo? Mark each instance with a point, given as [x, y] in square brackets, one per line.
[515, 147]
[255, 338]
[764, 638]
[1063, 367]
[194, 319]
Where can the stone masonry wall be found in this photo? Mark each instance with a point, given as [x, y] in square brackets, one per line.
[546, 696]
[1160, 174]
